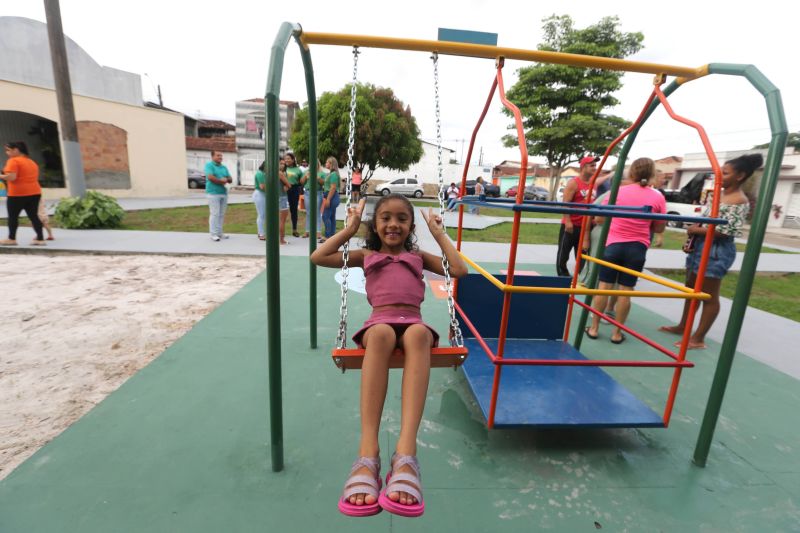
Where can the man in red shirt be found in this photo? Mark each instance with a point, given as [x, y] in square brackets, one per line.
[569, 236]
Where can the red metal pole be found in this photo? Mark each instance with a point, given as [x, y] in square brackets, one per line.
[512, 257]
[585, 221]
[478, 336]
[626, 329]
[591, 362]
[701, 271]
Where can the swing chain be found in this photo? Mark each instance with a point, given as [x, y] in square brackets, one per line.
[456, 338]
[341, 337]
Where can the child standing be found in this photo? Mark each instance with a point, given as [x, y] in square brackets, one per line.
[733, 206]
[395, 288]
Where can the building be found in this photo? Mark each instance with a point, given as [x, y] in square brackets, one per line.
[251, 136]
[198, 153]
[128, 149]
[786, 202]
[427, 168]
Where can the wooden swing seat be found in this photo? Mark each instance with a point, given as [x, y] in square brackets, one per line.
[441, 357]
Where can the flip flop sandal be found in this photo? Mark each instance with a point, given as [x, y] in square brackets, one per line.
[620, 340]
[403, 482]
[362, 484]
[593, 337]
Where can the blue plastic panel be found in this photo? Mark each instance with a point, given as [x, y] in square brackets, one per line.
[552, 396]
[533, 316]
[467, 36]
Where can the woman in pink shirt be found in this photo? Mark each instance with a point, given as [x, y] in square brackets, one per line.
[627, 242]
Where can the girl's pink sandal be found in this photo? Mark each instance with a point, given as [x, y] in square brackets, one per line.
[403, 482]
[362, 484]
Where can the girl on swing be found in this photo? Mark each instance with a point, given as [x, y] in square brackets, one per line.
[393, 267]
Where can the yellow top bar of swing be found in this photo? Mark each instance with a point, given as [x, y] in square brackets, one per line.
[493, 52]
[582, 290]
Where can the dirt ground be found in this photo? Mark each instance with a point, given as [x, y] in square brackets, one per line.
[75, 327]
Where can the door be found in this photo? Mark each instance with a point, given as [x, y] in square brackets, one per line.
[792, 219]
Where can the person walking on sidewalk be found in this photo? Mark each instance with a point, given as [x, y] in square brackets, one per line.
[217, 176]
[569, 235]
[260, 199]
[21, 175]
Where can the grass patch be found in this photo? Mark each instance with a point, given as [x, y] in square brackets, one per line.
[528, 233]
[776, 293]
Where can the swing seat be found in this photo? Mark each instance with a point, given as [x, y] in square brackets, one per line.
[441, 357]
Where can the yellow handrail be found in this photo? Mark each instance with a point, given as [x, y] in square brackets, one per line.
[581, 291]
[648, 277]
[493, 52]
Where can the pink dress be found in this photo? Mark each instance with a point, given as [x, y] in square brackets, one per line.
[394, 280]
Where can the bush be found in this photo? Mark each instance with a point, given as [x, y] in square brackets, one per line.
[95, 210]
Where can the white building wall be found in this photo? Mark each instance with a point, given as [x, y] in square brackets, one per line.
[426, 169]
[197, 159]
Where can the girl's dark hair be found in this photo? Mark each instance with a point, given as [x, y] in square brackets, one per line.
[642, 171]
[19, 145]
[373, 242]
[261, 166]
[746, 164]
[294, 159]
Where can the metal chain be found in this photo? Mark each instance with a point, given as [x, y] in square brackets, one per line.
[456, 339]
[341, 337]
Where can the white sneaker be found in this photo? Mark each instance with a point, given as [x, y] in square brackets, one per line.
[224, 236]
[215, 238]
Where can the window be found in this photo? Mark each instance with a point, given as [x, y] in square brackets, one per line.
[412, 181]
[398, 182]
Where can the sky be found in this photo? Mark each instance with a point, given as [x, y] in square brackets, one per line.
[206, 55]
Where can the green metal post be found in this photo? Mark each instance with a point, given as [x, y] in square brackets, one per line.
[612, 198]
[271, 156]
[755, 240]
[312, 209]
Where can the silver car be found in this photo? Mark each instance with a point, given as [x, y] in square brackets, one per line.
[404, 186]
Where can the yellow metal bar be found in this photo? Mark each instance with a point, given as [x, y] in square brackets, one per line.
[699, 73]
[648, 277]
[483, 272]
[493, 52]
[580, 290]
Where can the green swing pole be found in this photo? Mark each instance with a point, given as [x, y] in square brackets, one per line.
[615, 181]
[758, 227]
[312, 209]
[271, 156]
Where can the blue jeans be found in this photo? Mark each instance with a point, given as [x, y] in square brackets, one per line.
[307, 200]
[217, 204]
[260, 199]
[329, 216]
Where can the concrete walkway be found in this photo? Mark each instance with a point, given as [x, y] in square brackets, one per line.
[764, 336]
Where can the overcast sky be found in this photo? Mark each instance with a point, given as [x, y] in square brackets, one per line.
[206, 55]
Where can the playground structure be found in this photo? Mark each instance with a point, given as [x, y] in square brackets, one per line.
[509, 338]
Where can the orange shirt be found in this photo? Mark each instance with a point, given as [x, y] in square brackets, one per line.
[27, 182]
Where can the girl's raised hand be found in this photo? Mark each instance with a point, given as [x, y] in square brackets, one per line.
[434, 221]
[354, 215]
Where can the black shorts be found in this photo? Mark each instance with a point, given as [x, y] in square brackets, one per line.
[626, 254]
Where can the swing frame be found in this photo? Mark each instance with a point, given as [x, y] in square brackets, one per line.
[289, 31]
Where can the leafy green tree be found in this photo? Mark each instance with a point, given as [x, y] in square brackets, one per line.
[562, 106]
[792, 140]
[386, 132]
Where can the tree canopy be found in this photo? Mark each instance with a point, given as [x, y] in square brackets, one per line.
[386, 132]
[563, 107]
[793, 140]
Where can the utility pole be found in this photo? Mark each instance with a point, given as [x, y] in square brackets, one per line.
[160, 101]
[73, 164]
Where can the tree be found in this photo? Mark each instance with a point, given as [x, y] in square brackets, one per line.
[562, 106]
[386, 133]
[792, 140]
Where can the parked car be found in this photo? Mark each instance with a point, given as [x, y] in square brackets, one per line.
[677, 207]
[404, 186]
[197, 180]
[491, 190]
[532, 192]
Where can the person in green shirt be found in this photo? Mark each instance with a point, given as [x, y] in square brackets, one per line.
[260, 199]
[331, 199]
[307, 198]
[293, 175]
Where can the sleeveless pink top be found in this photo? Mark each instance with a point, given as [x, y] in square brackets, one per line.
[394, 279]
